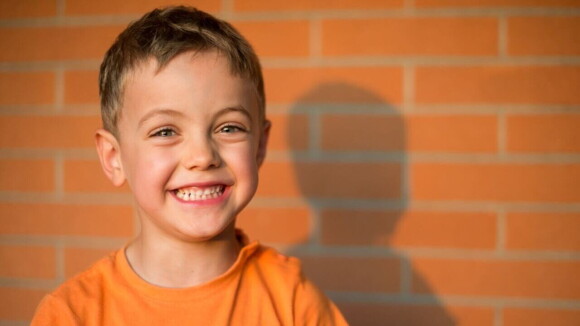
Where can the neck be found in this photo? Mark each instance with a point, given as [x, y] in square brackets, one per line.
[178, 264]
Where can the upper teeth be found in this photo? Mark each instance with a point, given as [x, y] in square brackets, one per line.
[199, 194]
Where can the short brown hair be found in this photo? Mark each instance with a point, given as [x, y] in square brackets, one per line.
[163, 34]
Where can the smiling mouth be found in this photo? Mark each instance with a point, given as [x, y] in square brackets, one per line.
[197, 194]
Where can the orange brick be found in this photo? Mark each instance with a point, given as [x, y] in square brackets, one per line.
[544, 35]
[498, 84]
[16, 88]
[56, 43]
[363, 132]
[87, 7]
[48, 131]
[279, 5]
[265, 37]
[543, 133]
[353, 273]
[60, 219]
[456, 133]
[368, 85]
[496, 3]
[27, 175]
[531, 279]
[27, 9]
[19, 304]
[81, 87]
[415, 133]
[371, 314]
[282, 225]
[77, 260]
[410, 36]
[543, 231]
[331, 180]
[540, 317]
[409, 229]
[278, 179]
[27, 262]
[496, 182]
[288, 132]
[87, 176]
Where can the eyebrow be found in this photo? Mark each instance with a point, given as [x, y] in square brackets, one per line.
[158, 112]
[178, 114]
[237, 108]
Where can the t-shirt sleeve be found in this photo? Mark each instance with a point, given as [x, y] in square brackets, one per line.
[52, 311]
[313, 308]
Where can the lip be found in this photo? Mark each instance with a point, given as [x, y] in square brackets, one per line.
[207, 201]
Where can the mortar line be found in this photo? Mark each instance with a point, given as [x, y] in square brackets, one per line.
[315, 39]
[88, 153]
[403, 12]
[493, 206]
[348, 109]
[60, 261]
[315, 129]
[408, 86]
[59, 90]
[33, 284]
[501, 229]
[114, 199]
[443, 157]
[395, 206]
[502, 134]
[502, 36]
[431, 61]
[96, 242]
[498, 316]
[406, 277]
[315, 238]
[13, 323]
[59, 175]
[60, 8]
[347, 61]
[107, 19]
[227, 11]
[454, 300]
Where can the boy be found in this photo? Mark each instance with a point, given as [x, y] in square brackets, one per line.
[182, 102]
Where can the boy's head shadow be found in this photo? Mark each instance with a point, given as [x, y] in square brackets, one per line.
[348, 151]
[350, 157]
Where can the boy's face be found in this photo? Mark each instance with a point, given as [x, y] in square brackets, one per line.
[190, 144]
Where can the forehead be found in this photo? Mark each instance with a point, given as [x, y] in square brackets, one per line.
[191, 80]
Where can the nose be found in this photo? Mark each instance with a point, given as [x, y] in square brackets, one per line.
[200, 153]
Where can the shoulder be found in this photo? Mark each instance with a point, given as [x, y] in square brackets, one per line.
[272, 264]
[89, 281]
[271, 257]
[53, 311]
[285, 277]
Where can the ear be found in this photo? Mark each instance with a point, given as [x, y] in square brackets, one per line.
[110, 156]
[261, 155]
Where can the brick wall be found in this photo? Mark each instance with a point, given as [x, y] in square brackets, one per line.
[424, 161]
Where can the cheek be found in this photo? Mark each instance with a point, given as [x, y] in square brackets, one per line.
[151, 171]
[242, 161]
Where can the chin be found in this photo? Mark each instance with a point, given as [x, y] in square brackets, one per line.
[210, 233]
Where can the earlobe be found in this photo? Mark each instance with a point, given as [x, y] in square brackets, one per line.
[262, 146]
[110, 156]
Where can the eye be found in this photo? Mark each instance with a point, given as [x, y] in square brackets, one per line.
[229, 129]
[164, 132]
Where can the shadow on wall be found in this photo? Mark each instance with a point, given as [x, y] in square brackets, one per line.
[350, 162]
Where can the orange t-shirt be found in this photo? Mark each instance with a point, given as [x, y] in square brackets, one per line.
[261, 288]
